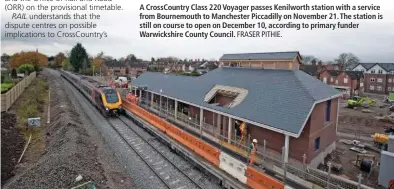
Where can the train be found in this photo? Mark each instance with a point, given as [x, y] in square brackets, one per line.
[105, 98]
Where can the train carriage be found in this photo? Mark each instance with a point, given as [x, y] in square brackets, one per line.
[106, 99]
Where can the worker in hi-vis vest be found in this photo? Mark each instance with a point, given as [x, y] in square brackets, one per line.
[242, 128]
[252, 152]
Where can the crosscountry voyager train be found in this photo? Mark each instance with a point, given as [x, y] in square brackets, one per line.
[106, 99]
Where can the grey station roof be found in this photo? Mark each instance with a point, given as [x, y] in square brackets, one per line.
[281, 99]
[262, 56]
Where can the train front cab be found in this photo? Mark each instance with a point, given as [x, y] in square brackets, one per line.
[112, 101]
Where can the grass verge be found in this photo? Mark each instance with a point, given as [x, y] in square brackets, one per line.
[33, 104]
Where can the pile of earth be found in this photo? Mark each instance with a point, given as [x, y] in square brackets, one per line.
[12, 144]
[69, 152]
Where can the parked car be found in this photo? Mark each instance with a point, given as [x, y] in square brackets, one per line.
[121, 81]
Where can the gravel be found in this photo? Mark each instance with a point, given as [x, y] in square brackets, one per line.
[71, 149]
[186, 167]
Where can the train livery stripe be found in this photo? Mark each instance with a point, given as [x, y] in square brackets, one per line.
[257, 179]
[205, 150]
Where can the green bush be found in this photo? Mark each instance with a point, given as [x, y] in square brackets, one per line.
[5, 87]
[26, 69]
[2, 78]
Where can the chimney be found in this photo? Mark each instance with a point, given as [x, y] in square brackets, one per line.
[320, 63]
[314, 62]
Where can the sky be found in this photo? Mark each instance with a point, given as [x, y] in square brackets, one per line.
[373, 41]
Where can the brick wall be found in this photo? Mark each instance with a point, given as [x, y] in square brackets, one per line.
[372, 83]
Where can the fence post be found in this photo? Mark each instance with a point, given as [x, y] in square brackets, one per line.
[284, 165]
[264, 149]
[329, 174]
[304, 164]
[360, 177]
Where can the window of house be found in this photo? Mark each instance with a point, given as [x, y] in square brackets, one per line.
[371, 87]
[336, 82]
[379, 88]
[328, 111]
[389, 88]
[361, 84]
[372, 71]
[332, 79]
[390, 80]
[380, 80]
[372, 79]
[345, 80]
[380, 71]
[317, 143]
[325, 80]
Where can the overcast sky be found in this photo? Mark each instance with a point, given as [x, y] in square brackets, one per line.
[372, 42]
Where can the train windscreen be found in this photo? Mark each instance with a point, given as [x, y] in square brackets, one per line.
[111, 95]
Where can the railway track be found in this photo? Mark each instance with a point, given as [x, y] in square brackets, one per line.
[172, 170]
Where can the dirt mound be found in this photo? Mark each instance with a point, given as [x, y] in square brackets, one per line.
[368, 121]
[68, 153]
[12, 144]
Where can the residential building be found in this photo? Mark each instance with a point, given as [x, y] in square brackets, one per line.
[267, 60]
[114, 67]
[285, 108]
[378, 77]
[136, 69]
[349, 82]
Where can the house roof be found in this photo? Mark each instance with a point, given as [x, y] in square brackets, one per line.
[334, 72]
[279, 100]
[310, 69]
[114, 63]
[386, 66]
[138, 65]
[262, 56]
[355, 74]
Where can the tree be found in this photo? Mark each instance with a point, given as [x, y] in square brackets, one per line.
[59, 58]
[97, 62]
[79, 57]
[35, 58]
[152, 59]
[66, 65]
[346, 59]
[13, 73]
[131, 58]
[307, 59]
[26, 69]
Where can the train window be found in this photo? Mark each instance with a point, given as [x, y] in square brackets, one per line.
[111, 95]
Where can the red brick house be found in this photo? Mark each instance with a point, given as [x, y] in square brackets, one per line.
[268, 60]
[379, 77]
[114, 67]
[349, 82]
[136, 69]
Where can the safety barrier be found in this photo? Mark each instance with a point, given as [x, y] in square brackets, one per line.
[205, 150]
[256, 179]
[247, 175]
[233, 167]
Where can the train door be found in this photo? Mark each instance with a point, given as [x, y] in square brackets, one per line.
[98, 100]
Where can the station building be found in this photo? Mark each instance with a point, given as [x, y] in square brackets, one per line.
[287, 108]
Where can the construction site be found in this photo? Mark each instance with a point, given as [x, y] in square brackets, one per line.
[363, 130]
